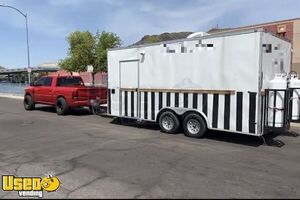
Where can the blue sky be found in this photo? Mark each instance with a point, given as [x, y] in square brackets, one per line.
[50, 21]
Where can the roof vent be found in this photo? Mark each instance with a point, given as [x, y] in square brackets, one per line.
[197, 34]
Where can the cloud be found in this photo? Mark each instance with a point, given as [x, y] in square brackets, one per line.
[78, 3]
[50, 21]
[149, 17]
[67, 2]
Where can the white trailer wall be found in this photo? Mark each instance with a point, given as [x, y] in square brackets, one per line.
[217, 76]
[275, 58]
[279, 56]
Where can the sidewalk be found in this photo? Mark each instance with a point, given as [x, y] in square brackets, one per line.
[295, 124]
[12, 96]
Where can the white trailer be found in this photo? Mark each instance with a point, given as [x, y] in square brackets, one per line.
[216, 82]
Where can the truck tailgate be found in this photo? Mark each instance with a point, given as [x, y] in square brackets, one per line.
[87, 93]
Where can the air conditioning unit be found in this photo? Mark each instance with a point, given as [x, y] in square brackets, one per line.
[281, 28]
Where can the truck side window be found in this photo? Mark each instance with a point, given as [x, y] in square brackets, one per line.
[40, 82]
[48, 81]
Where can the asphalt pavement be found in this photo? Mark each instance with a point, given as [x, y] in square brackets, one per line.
[103, 157]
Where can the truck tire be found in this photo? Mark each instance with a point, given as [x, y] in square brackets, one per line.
[28, 103]
[62, 107]
[194, 126]
[169, 122]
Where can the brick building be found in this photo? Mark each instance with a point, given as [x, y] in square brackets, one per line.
[290, 29]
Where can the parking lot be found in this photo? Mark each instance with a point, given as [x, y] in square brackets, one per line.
[99, 157]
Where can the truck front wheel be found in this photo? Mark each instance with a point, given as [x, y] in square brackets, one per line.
[169, 122]
[194, 126]
[62, 107]
[28, 103]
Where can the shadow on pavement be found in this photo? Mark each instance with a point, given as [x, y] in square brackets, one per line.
[234, 138]
[270, 139]
[134, 123]
[73, 112]
[211, 135]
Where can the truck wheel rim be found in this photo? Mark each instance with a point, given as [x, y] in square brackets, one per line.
[59, 106]
[26, 102]
[168, 123]
[193, 126]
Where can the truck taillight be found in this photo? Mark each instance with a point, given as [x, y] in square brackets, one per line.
[75, 94]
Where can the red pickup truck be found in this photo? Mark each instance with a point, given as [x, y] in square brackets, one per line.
[63, 92]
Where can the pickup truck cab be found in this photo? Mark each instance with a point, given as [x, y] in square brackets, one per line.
[63, 92]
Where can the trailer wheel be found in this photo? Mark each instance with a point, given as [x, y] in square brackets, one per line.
[28, 103]
[169, 122]
[194, 126]
[62, 107]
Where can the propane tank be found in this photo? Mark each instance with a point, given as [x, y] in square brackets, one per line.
[294, 84]
[276, 111]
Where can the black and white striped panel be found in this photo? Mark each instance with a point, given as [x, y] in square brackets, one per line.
[224, 111]
[129, 107]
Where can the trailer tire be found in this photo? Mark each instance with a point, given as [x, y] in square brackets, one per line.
[194, 126]
[61, 106]
[169, 122]
[28, 103]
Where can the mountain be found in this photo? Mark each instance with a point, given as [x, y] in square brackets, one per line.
[1, 67]
[147, 39]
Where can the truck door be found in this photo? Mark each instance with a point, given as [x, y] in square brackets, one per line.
[47, 90]
[38, 87]
[42, 90]
[129, 88]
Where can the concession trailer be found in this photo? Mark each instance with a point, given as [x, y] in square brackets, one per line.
[236, 82]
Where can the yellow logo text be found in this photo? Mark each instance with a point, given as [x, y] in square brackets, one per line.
[30, 186]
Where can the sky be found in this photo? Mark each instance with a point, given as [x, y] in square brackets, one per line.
[50, 21]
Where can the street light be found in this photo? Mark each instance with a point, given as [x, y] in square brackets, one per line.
[28, 57]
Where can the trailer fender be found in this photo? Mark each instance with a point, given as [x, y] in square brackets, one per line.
[182, 112]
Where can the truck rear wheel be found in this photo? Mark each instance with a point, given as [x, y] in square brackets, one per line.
[194, 126]
[28, 103]
[169, 122]
[62, 107]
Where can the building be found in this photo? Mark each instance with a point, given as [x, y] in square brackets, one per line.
[290, 29]
[49, 65]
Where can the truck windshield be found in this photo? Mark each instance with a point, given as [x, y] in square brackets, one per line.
[69, 81]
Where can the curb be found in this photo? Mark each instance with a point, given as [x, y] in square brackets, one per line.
[11, 96]
[293, 124]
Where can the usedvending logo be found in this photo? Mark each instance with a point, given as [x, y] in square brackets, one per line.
[30, 186]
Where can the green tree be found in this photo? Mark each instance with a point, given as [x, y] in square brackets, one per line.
[104, 41]
[88, 49]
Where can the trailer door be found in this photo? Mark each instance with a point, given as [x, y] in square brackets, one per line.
[129, 87]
